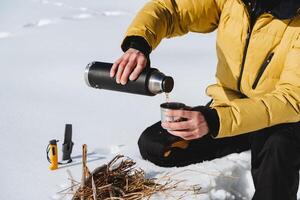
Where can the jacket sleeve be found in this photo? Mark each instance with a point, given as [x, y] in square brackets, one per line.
[168, 18]
[277, 107]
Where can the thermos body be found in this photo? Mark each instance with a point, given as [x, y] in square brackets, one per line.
[150, 82]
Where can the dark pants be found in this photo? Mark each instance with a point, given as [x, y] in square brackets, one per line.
[275, 156]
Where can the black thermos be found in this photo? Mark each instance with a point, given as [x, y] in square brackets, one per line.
[150, 82]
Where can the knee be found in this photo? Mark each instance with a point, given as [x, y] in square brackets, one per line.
[153, 143]
[149, 144]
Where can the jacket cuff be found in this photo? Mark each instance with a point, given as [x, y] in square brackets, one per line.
[138, 43]
[211, 117]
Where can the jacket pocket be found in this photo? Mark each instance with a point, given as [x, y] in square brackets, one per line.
[262, 69]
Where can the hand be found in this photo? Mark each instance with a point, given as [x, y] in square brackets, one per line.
[131, 64]
[193, 128]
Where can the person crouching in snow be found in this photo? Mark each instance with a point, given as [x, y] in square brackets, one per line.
[256, 99]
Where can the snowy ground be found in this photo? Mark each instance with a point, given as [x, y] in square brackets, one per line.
[44, 47]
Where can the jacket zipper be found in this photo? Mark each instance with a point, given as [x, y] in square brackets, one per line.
[244, 57]
[252, 20]
[262, 69]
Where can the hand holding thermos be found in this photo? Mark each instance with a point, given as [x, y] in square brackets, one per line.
[129, 66]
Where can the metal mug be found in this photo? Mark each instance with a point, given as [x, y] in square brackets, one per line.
[171, 106]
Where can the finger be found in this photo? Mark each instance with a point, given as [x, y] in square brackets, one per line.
[183, 125]
[128, 69]
[189, 134]
[120, 70]
[193, 137]
[182, 134]
[141, 63]
[114, 67]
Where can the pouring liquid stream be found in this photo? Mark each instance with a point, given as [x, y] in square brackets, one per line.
[167, 95]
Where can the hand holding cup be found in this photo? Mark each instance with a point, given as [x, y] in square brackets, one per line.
[181, 121]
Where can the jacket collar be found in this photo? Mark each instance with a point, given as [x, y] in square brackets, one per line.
[281, 9]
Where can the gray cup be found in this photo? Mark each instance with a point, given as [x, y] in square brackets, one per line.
[171, 106]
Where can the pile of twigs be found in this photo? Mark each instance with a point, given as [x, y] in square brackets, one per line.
[118, 180]
[121, 180]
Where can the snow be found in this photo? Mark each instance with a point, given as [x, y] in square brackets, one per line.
[40, 23]
[45, 46]
[5, 34]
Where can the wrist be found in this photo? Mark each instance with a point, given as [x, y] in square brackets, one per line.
[138, 43]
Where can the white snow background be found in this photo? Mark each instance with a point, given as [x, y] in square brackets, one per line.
[44, 48]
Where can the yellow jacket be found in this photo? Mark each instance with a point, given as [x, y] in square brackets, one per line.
[253, 91]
